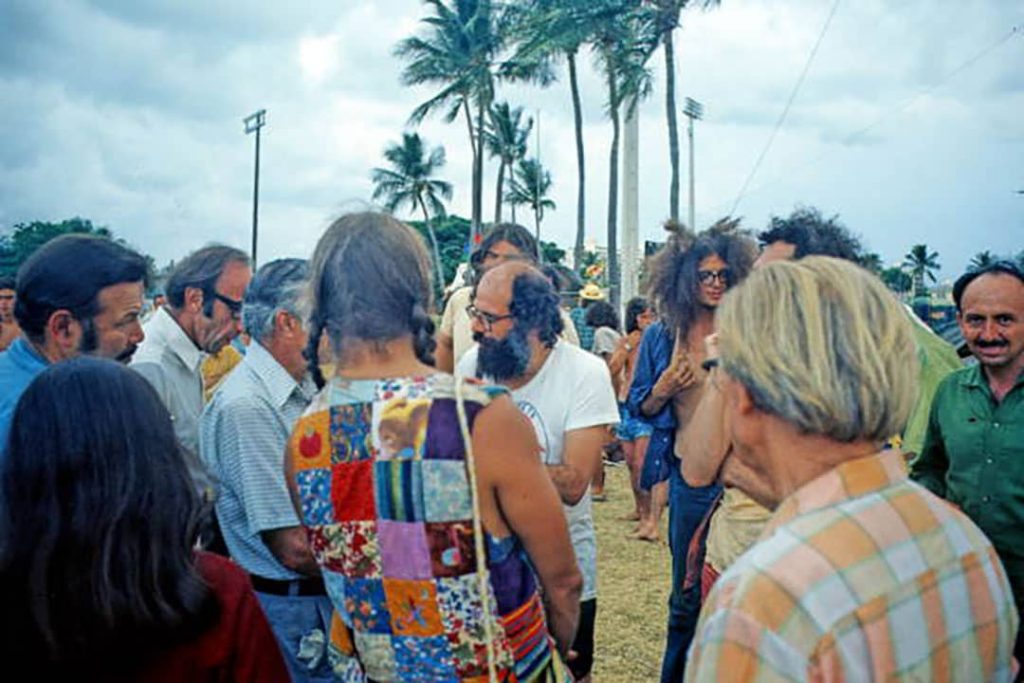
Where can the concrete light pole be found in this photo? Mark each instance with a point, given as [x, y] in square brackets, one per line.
[253, 124]
[694, 111]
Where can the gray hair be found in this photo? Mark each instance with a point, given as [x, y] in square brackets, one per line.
[277, 286]
[822, 344]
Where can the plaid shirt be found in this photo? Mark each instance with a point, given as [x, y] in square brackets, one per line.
[860, 575]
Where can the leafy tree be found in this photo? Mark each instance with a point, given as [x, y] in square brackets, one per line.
[983, 259]
[506, 138]
[452, 234]
[551, 253]
[623, 46]
[25, 238]
[872, 261]
[667, 20]
[922, 263]
[410, 182]
[897, 279]
[530, 186]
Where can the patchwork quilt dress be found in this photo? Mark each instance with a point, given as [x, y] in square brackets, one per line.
[381, 473]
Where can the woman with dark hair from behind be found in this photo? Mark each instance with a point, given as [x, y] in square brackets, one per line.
[452, 527]
[99, 579]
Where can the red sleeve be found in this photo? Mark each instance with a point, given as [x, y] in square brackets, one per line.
[252, 651]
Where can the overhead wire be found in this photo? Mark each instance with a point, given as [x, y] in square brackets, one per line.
[895, 109]
[789, 103]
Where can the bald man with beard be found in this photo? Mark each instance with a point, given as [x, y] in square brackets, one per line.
[567, 394]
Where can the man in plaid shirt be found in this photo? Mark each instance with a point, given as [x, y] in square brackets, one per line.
[860, 573]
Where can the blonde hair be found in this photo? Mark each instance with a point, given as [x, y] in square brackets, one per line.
[822, 344]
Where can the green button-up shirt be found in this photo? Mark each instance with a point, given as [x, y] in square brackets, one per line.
[973, 456]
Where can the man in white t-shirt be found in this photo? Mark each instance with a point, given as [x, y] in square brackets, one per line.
[503, 243]
[567, 394]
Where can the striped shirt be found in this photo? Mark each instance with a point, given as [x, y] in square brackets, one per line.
[243, 434]
[860, 575]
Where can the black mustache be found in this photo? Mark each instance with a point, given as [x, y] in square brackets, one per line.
[998, 343]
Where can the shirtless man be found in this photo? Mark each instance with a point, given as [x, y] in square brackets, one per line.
[687, 281]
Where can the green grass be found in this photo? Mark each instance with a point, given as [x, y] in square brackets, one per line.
[633, 586]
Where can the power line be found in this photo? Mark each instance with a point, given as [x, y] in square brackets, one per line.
[895, 109]
[785, 110]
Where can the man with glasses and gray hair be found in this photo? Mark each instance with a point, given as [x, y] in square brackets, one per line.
[860, 574]
[203, 313]
[243, 433]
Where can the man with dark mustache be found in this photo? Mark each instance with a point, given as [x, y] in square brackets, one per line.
[973, 453]
[567, 394]
[77, 294]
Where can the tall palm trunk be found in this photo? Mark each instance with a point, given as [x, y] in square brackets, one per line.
[478, 170]
[499, 193]
[613, 192]
[536, 227]
[433, 243]
[673, 126]
[577, 112]
[475, 149]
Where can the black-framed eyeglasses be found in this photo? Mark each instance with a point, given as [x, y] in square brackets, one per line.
[233, 305]
[486, 319]
[707, 277]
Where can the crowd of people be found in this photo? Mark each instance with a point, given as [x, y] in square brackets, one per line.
[293, 475]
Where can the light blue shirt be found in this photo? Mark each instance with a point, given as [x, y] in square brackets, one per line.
[19, 365]
[242, 437]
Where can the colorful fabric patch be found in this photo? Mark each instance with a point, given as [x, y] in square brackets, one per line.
[315, 493]
[528, 638]
[334, 583]
[451, 548]
[404, 550]
[377, 655]
[345, 669]
[309, 446]
[359, 549]
[424, 659]
[462, 614]
[350, 433]
[341, 636]
[352, 491]
[448, 491]
[399, 490]
[413, 607]
[325, 542]
[444, 437]
[401, 428]
[366, 605]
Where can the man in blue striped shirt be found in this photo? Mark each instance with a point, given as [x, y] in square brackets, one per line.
[243, 433]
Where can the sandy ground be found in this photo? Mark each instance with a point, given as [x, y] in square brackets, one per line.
[633, 585]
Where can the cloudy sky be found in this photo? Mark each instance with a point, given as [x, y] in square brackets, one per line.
[909, 124]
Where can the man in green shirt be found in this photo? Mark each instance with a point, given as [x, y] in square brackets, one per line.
[973, 454]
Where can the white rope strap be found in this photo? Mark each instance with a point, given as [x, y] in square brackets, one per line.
[478, 532]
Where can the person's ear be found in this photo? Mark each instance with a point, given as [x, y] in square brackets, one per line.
[193, 300]
[285, 323]
[64, 332]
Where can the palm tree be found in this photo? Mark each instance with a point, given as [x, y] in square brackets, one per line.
[530, 186]
[623, 46]
[546, 31]
[921, 263]
[872, 261]
[982, 259]
[458, 51]
[667, 20]
[506, 138]
[410, 181]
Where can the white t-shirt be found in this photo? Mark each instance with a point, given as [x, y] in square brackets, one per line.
[573, 390]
